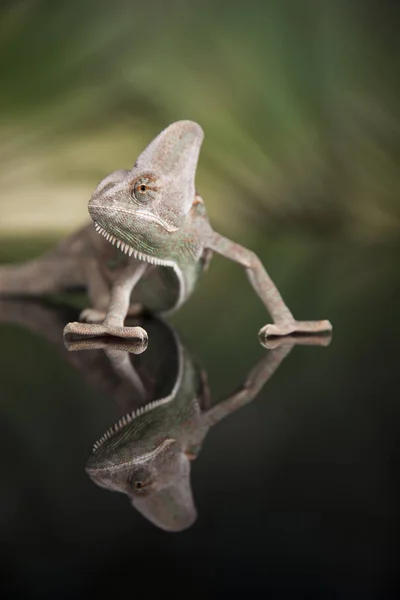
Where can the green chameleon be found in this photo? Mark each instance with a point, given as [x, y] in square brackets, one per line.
[156, 241]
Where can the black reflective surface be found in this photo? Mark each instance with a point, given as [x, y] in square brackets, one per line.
[293, 494]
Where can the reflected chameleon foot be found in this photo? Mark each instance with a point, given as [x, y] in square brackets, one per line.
[304, 339]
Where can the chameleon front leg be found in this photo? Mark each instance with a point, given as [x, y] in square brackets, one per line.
[117, 310]
[99, 295]
[284, 322]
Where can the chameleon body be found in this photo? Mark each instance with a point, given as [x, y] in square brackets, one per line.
[157, 241]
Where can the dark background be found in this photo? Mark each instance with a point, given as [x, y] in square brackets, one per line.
[297, 493]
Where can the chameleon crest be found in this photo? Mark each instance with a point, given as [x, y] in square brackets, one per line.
[145, 206]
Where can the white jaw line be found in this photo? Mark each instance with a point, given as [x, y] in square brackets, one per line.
[124, 421]
[131, 251]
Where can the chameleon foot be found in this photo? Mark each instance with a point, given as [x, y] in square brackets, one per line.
[290, 327]
[105, 343]
[79, 330]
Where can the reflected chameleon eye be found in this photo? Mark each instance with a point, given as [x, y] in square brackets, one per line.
[141, 481]
[142, 486]
[143, 189]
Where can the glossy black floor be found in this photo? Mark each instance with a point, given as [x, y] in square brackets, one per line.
[295, 494]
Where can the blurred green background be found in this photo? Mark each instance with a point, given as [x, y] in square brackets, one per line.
[298, 100]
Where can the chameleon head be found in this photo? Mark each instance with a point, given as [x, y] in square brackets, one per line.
[157, 483]
[139, 210]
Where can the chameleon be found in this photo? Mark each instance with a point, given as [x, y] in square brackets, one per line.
[155, 242]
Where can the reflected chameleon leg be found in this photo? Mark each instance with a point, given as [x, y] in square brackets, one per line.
[258, 376]
[255, 381]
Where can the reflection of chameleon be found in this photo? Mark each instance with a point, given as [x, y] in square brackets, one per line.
[163, 241]
[162, 402]
[147, 453]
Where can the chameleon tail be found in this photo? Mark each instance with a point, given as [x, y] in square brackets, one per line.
[45, 275]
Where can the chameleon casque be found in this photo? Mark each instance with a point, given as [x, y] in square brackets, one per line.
[156, 242]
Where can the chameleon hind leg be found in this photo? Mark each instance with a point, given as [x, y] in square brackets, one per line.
[117, 310]
[284, 322]
[98, 291]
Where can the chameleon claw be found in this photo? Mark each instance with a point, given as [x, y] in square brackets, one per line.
[129, 333]
[105, 343]
[76, 329]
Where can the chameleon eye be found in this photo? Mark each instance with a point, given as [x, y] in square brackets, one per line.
[143, 189]
[142, 486]
[141, 481]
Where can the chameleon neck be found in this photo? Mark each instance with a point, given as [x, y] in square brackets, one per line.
[185, 248]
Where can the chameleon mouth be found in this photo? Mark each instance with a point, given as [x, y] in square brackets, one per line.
[127, 249]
